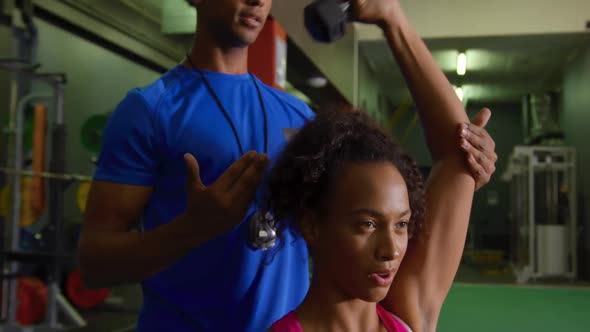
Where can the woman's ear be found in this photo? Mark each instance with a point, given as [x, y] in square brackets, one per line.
[308, 226]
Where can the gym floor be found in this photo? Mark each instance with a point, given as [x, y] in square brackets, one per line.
[117, 314]
[502, 307]
[475, 303]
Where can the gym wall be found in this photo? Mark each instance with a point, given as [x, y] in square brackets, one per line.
[5, 52]
[488, 217]
[369, 91]
[97, 80]
[575, 121]
[491, 204]
[334, 60]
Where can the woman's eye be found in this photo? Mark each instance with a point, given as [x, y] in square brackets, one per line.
[368, 224]
[403, 224]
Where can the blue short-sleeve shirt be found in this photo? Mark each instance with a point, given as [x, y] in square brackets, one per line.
[224, 284]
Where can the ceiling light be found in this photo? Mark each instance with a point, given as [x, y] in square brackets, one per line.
[461, 63]
[460, 93]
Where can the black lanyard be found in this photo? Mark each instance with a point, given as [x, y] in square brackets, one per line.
[262, 234]
[227, 117]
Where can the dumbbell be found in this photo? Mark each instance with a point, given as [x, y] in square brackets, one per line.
[326, 20]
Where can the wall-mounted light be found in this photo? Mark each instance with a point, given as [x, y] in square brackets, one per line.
[461, 63]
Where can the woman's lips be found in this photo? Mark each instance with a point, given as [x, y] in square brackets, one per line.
[382, 278]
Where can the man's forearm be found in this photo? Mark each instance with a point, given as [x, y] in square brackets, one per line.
[438, 106]
[109, 258]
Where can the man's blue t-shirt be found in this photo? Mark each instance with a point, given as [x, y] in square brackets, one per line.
[225, 284]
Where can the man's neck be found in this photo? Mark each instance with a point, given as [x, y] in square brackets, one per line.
[207, 54]
[326, 309]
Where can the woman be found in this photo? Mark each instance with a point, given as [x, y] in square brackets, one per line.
[357, 200]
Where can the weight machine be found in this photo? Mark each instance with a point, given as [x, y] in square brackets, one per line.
[544, 212]
[57, 182]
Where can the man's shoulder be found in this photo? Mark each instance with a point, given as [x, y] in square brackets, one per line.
[288, 101]
[153, 93]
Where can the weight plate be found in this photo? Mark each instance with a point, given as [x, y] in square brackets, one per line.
[27, 215]
[82, 195]
[91, 132]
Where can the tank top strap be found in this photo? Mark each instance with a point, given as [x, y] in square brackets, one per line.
[289, 323]
[391, 322]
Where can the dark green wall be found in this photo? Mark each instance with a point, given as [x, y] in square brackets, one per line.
[488, 222]
[97, 80]
[576, 123]
[369, 91]
[6, 51]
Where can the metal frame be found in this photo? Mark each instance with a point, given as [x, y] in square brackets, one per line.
[55, 299]
[524, 164]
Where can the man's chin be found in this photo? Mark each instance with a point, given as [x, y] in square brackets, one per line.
[243, 42]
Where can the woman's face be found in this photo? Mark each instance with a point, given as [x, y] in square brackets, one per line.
[360, 238]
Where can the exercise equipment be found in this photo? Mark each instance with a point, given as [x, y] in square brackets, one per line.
[27, 126]
[327, 20]
[91, 132]
[82, 195]
[544, 211]
[32, 300]
[29, 241]
[37, 188]
[32, 189]
[81, 296]
[55, 255]
[28, 216]
[540, 115]
[49, 175]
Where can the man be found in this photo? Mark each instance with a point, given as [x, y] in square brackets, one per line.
[197, 262]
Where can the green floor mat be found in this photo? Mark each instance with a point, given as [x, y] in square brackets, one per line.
[494, 308]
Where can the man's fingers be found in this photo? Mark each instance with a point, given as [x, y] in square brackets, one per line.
[486, 161]
[235, 171]
[478, 169]
[245, 187]
[479, 122]
[476, 130]
[474, 142]
[192, 170]
[478, 137]
[476, 157]
[482, 118]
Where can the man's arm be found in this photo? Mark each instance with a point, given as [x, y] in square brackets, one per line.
[109, 254]
[432, 258]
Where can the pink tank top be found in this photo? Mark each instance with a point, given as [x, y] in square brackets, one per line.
[290, 323]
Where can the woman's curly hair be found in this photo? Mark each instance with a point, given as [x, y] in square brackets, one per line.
[304, 173]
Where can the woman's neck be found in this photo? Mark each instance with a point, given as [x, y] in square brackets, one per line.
[208, 54]
[325, 308]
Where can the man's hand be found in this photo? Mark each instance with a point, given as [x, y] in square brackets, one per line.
[216, 209]
[479, 147]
